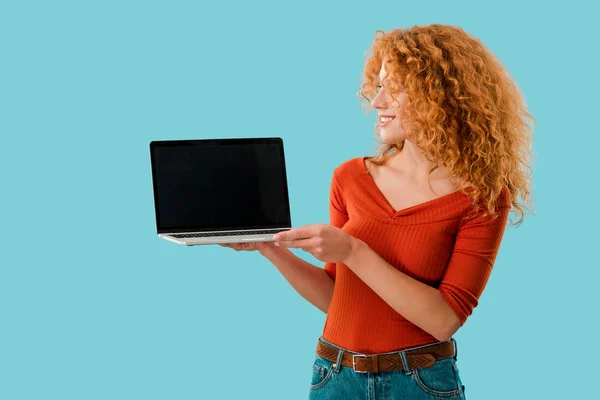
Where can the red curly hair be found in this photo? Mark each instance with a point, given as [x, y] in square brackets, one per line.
[464, 111]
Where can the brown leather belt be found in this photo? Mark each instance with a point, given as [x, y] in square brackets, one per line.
[418, 358]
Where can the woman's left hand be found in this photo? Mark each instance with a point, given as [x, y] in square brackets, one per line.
[325, 242]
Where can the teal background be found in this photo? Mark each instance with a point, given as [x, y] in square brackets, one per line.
[93, 305]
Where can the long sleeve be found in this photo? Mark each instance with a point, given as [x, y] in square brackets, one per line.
[471, 262]
[337, 216]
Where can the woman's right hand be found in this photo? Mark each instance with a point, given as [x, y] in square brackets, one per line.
[249, 246]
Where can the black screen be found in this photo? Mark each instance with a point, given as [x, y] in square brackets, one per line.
[219, 184]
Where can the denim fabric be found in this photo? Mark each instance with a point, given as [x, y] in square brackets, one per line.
[440, 381]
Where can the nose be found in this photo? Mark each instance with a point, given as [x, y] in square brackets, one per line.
[380, 100]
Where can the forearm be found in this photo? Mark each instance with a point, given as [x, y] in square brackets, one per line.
[310, 281]
[419, 303]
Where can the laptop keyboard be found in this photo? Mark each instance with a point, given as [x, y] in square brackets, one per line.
[238, 233]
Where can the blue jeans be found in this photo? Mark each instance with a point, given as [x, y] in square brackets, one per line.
[440, 381]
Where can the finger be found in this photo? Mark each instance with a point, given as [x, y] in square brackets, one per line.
[299, 243]
[298, 233]
[311, 250]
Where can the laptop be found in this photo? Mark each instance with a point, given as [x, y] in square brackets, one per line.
[212, 191]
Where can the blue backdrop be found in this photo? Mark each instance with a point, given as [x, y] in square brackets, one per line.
[93, 305]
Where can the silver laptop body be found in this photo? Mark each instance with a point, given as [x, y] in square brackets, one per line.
[211, 191]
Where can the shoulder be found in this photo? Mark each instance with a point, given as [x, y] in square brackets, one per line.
[504, 199]
[351, 167]
[478, 214]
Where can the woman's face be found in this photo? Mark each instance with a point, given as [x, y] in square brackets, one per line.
[390, 130]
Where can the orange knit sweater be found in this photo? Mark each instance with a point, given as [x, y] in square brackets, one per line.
[428, 242]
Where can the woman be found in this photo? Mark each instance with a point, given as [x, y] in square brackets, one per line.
[414, 231]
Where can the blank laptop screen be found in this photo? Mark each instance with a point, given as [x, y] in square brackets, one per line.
[219, 184]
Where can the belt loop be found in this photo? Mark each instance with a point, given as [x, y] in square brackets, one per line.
[407, 370]
[455, 349]
[338, 363]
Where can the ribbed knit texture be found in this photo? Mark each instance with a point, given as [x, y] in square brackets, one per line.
[429, 242]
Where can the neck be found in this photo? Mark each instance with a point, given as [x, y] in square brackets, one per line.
[412, 162]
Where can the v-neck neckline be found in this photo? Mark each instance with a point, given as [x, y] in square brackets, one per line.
[389, 208]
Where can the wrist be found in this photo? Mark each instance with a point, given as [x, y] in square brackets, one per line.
[356, 246]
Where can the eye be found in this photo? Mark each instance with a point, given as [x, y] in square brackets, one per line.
[378, 87]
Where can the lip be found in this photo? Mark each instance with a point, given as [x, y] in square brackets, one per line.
[386, 122]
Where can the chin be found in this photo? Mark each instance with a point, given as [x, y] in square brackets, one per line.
[392, 137]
